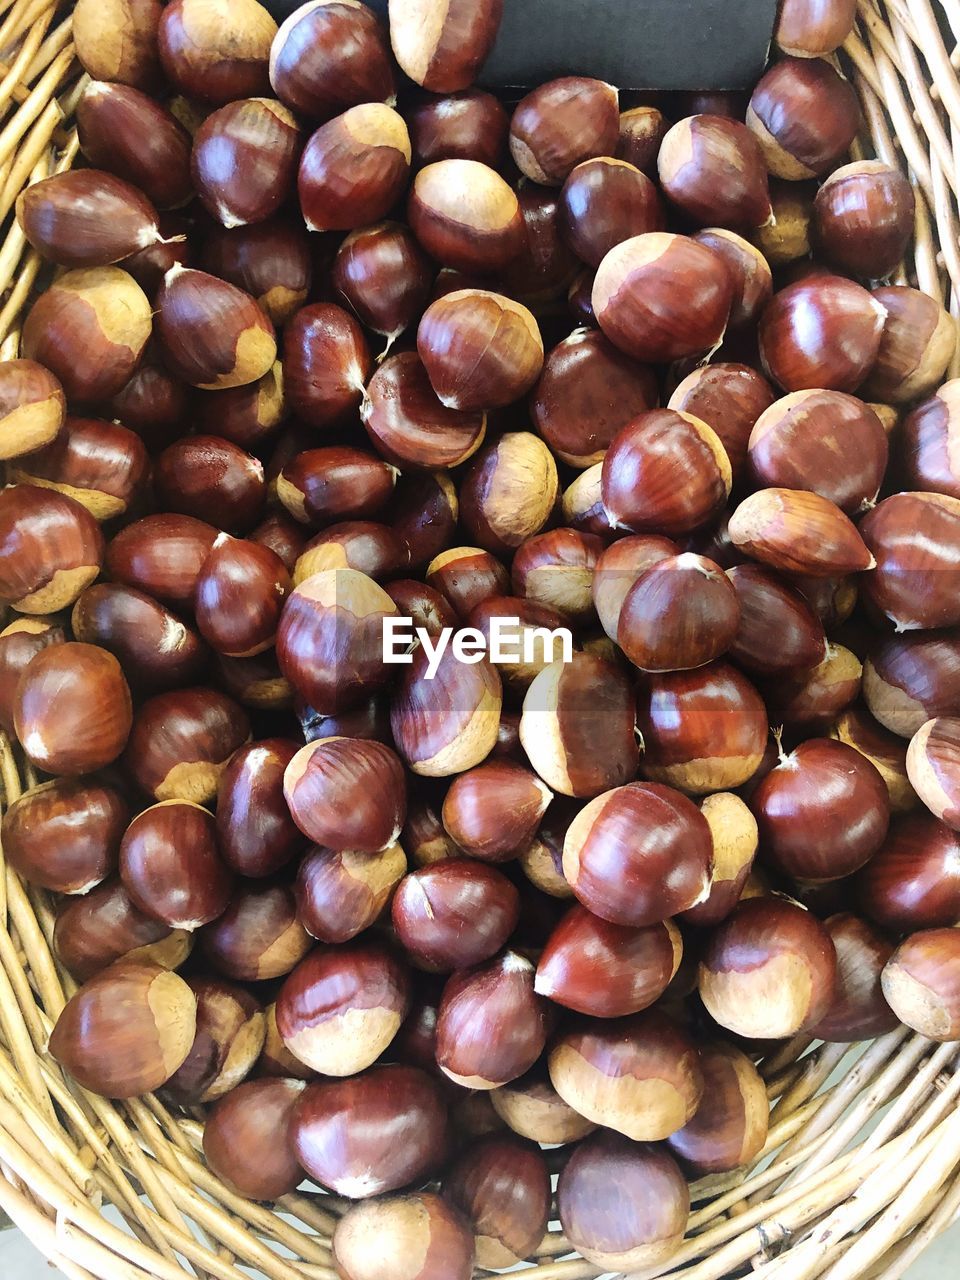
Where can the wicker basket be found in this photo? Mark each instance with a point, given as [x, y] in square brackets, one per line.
[858, 1175]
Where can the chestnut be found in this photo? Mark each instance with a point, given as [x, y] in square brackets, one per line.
[730, 1127]
[786, 239]
[339, 894]
[863, 218]
[920, 983]
[258, 937]
[749, 271]
[639, 1075]
[86, 218]
[509, 492]
[161, 556]
[581, 504]
[812, 28]
[713, 170]
[638, 854]
[246, 1142]
[577, 726]
[766, 602]
[733, 829]
[94, 929]
[99, 464]
[621, 1205]
[702, 730]
[132, 58]
[800, 532]
[424, 513]
[449, 723]
[72, 709]
[181, 742]
[604, 202]
[341, 1007]
[927, 435]
[885, 751]
[917, 345]
[931, 766]
[255, 832]
[607, 970]
[813, 698]
[255, 682]
[213, 334]
[913, 882]
[329, 55]
[532, 1108]
[282, 534]
[660, 297]
[330, 639]
[149, 266]
[419, 1236]
[541, 277]
[466, 125]
[272, 261]
[494, 810]
[230, 1036]
[445, 51]
[19, 643]
[65, 835]
[562, 123]
[354, 168]
[822, 812]
[915, 538]
[805, 116]
[347, 793]
[911, 678]
[480, 350]
[335, 483]
[682, 612]
[127, 1030]
[326, 363]
[275, 1059]
[371, 548]
[665, 472]
[239, 596]
[123, 130]
[824, 441]
[587, 392]
[859, 1010]
[618, 568]
[385, 276]
[423, 836]
[464, 215]
[454, 914]
[502, 1185]
[171, 867]
[407, 423]
[216, 50]
[823, 332]
[244, 160]
[52, 549]
[491, 1026]
[370, 1134]
[153, 403]
[32, 407]
[466, 576]
[89, 328]
[769, 970]
[426, 607]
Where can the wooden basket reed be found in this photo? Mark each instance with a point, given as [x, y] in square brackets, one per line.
[859, 1174]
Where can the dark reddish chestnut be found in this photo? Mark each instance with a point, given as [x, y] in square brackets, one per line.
[466, 576]
[914, 880]
[641, 132]
[800, 532]
[65, 835]
[713, 170]
[494, 810]
[769, 970]
[101, 465]
[683, 612]
[455, 913]
[282, 534]
[371, 548]
[749, 271]
[20, 642]
[153, 403]
[272, 261]
[255, 832]
[347, 793]
[52, 549]
[768, 604]
[244, 160]
[408, 424]
[423, 836]
[385, 276]
[482, 235]
[618, 568]
[920, 983]
[467, 125]
[99, 927]
[339, 894]
[255, 682]
[863, 218]
[928, 434]
[354, 168]
[424, 514]
[528, 640]
[229, 1038]
[446, 49]
[911, 678]
[427, 608]
[449, 723]
[326, 363]
[123, 130]
[805, 116]
[823, 332]
[885, 751]
[812, 28]
[258, 937]
[502, 1186]
[213, 335]
[385, 1235]
[813, 698]
[915, 538]
[542, 276]
[604, 202]
[86, 218]
[246, 1142]
[161, 556]
[859, 1010]
[239, 597]
[562, 123]
[218, 50]
[171, 867]
[338, 482]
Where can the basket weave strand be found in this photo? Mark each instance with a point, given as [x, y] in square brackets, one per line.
[857, 1177]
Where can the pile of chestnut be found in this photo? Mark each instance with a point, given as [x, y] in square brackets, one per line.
[335, 337]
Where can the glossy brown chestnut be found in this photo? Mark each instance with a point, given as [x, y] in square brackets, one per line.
[932, 767]
[562, 123]
[749, 271]
[52, 548]
[326, 364]
[863, 218]
[230, 1036]
[255, 832]
[19, 643]
[282, 534]
[494, 810]
[347, 793]
[423, 835]
[466, 576]
[72, 709]
[702, 730]
[127, 1030]
[407, 423]
[665, 472]
[824, 441]
[491, 1026]
[660, 297]
[918, 343]
[824, 332]
[542, 276]
[812, 699]
[607, 970]
[713, 170]
[730, 1127]
[153, 403]
[338, 482]
[800, 532]
[339, 894]
[928, 433]
[822, 812]
[216, 50]
[859, 1009]
[769, 970]
[246, 1142]
[244, 160]
[425, 512]
[618, 568]
[272, 261]
[733, 829]
[642, 130]
[920, 983]
[638, 854]
[384, 275]
[427, 608]
[161, 556]
[32, 407]
[914, 880]
[239, 596]
[181, 742]
[97, 928]
[65, 835]
[214, 335]
[149, 266]
[604, 202]
[341, 1007]
[127, 133]
[804, 115]
[483, 234]
[444, 49]
[509, 492]
[812, 28]
[911, 678]
[915, 538]
[371, 548]
[639, 1075]
[89, 328]
[132, 58]
[467, 125]
[171, 867]
[529, 640]
[259, 936]
[101, 465]
[768, 604]
[86, 218]
[502, 1186]
[454, 914]
[683, 612]
[255, 682]
[621, 1205]
[420, 1236]
[354, 168]
[555, 570]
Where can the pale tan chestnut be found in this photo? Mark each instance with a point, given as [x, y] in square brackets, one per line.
[533, 1109]
[417, 1237]
[509, 492]
[32, 407]
[800, 532]
[117, 40]
[786, 238]
[921, 983]
[735, 839]
[442, 44]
